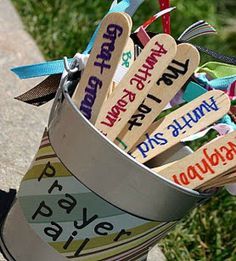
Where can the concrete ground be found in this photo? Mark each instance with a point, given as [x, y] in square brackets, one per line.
[21, 125]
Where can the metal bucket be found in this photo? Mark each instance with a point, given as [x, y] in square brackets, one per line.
[85, 199]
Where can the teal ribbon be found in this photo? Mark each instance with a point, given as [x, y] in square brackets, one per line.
[40, 69]
[219, 83]
[227, 120]
[192, 91]
[57, 66]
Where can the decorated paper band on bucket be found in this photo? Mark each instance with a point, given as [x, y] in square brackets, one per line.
[75, 221]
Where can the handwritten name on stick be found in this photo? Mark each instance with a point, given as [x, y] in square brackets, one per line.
[165, 88]
[102, 63]
[205, 164]
[181, 123]
[135, 85]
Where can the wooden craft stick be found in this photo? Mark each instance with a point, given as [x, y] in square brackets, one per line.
[176, 152]
[129, 18]
[223, 183]
[205, 164]
[102, 64]
[157, 169]
[126, 60]
[228, 174]
[181, 123]
[112, 87]
[175, 76]
[216, 185]
[135, 85]
[219, 181]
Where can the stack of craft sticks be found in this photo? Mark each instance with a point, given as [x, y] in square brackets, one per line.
[122, 91]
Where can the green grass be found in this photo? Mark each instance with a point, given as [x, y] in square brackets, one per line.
[63, 27]
[208, 233]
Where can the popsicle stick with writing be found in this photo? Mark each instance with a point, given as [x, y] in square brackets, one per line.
[174, 77]
[227, 175]
[181, 123]
[219, 181]
[102, 64]
[125, 63]
[135, 85]
[127, 59]
[203, 165]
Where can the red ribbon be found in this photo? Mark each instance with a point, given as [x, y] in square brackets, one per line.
[165, 18]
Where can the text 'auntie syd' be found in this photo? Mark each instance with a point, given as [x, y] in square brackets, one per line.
[177, 127]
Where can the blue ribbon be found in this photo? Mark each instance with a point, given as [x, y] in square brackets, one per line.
[57, 66]
[40, 69]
